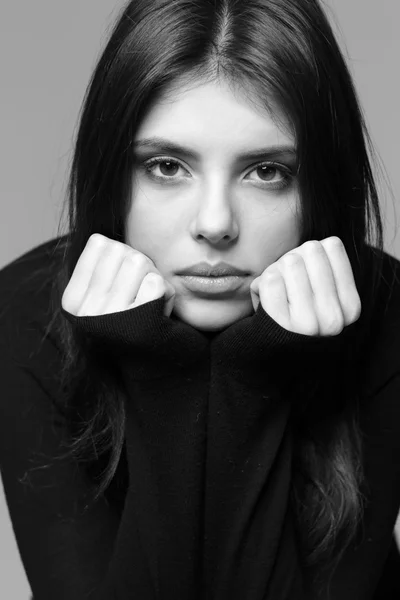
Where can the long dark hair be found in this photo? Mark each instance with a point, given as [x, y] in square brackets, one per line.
[281, 49]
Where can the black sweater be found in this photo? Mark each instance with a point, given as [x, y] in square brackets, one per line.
[209, 448]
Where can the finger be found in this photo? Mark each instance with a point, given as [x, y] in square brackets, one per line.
[109, 263]
[326, 300]
[96, 297]
[344, 278]
[126, 285]
[115, 281]
[273, 297]
[255, 292]
[152, 287]
[128, 281]
[78, 285]
[169, 298]
[299, 293]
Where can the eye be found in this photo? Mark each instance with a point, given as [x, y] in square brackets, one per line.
[267, 173]
[169, 166]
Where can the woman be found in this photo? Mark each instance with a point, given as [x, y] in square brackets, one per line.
[188, 437]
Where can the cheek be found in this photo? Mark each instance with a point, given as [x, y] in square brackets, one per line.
[149, 231]
[277, 230]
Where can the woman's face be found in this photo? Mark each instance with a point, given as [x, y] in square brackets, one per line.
[215, 204]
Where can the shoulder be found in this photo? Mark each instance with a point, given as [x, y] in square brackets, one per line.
[25, 282]
[26, 311]
[383, 353]
[26, 275]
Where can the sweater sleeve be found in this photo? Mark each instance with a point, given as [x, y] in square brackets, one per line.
[257, 346]
[65, 551]
[163, 365]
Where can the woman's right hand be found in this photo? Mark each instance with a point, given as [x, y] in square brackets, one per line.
[110, 276]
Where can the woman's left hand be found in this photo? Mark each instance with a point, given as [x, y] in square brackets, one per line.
[310, 289]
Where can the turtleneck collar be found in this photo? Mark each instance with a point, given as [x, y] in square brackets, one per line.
[157, 346]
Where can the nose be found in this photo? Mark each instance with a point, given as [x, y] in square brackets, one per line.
[216, 219]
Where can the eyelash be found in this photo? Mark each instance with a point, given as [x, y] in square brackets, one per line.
[287, 174]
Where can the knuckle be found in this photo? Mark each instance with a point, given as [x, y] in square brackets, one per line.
[309, 326]
[137, 259]
[334, 241]
[272, 275]
[114, 248]
[313, 246]
[333, 244]
[290, 259]
[354, 311]
[155, 279]
[115, 245]
[312, 329]
[358, 308]
[97, 239]
[334, 324]
[273, 269]
[67, 301]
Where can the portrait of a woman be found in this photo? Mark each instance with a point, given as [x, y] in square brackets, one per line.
[201, 376]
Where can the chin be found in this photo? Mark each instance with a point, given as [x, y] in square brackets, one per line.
[211, 315]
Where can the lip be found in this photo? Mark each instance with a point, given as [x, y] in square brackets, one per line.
[206, 286]
[221, 269]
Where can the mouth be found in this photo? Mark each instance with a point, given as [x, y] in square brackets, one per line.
[221, 269]
[225, 285]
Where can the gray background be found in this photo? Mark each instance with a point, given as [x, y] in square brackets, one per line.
[47, 52]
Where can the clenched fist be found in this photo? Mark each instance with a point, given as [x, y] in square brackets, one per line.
[310, 289]
[111, 277]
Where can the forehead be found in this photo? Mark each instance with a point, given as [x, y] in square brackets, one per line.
[216, 112]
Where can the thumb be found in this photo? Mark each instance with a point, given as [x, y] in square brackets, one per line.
[168, 290]
[151, 288]
[154, 286]
[169, 298]
[255, 292]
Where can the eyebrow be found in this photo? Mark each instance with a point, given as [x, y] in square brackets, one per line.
[166, 146]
